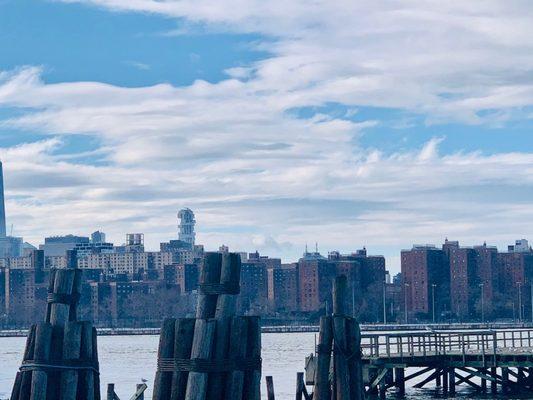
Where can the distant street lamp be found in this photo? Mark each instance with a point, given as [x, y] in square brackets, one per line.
[531, 291]
[519, 301]
[406, 285]
[433, 286]
[384, 303]
[482, 286]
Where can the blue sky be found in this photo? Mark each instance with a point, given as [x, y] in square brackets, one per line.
[280, 124]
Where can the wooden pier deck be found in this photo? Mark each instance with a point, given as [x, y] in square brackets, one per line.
[448, 358]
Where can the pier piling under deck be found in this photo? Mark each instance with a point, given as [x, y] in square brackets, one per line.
[450, 358]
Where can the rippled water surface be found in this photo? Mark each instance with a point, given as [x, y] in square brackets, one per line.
[125, 360]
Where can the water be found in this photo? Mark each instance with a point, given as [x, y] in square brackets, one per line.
[125, 360]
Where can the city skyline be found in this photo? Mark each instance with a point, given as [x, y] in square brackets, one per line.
[349, 126]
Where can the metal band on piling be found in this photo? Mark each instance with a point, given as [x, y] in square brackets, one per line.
[219, 288]
[62, 298]
[206, 366]
[48, 365]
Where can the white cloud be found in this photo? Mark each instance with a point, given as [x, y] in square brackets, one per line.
[257, 175]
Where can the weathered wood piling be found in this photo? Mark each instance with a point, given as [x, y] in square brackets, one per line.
[61, 359]
[217, 355]
[338, 351]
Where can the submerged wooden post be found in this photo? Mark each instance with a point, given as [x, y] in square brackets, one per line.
[322, 389]
[299, 386]
[399, 379]
[493, 383]
[451, 377]
[382, 389]
[270, 388]
[140, 388]
[110, 391]
[505, 379]
[483, 380]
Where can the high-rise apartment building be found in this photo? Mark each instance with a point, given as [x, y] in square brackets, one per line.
[186, 226]
[425, 277]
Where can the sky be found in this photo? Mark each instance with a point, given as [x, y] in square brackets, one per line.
[347, 124]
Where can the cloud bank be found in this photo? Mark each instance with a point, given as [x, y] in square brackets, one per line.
[260, 175]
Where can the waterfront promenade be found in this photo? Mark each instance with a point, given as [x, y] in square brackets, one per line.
[308, 328]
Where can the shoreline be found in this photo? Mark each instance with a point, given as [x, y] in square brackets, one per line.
[301, 329]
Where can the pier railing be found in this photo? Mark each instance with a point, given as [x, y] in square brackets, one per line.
[434, 343]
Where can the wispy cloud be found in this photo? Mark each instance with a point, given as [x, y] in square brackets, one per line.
[138, 65]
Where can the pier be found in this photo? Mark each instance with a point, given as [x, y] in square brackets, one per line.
[447, 358]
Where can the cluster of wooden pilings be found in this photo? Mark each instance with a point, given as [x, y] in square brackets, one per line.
[217, 355]
[338, 373]
[61, 358]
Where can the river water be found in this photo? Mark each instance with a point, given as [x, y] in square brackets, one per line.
[126, 360]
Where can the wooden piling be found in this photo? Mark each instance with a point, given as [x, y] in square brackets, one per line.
[139, 387]
[183, 336]
[63, 285]
[399, 379]
[110, 391]
[445, 380]
[355, 365]
[86, 383]
[252, 379]
[56, 353]
[209, 274]
[230, 276]
[322, 390]
[342, 374]
[300, 386]
[43, 339]
[505, 379]
[270, 388]
[493, 383]
[71, 351]
[451, 377]
[163, 380]
[26, 376]
[95, 359]
[483, 380]
[382, 389]
[204, 331]
[237, 350]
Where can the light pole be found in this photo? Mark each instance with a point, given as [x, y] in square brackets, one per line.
[519, 301]
[531, 291]
[482, 286]
[353, 300]
[384, 303]
[406, 285]
[433, 286]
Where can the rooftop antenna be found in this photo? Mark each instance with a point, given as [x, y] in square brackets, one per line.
[306, 248]
[316, 247]
[11, 233]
